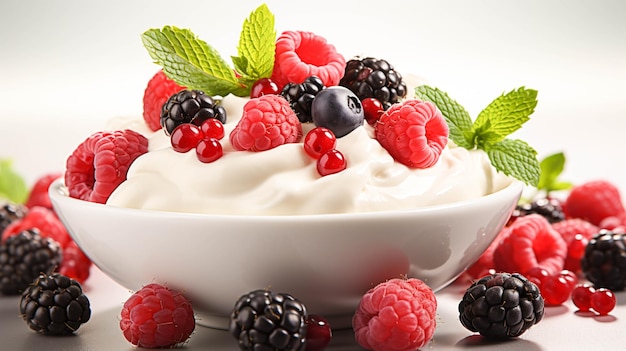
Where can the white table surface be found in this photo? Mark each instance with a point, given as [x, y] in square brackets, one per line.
[68, 66]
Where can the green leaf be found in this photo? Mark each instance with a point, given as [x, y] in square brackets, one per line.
[551, 168]
[12, 185]
[515, 158]
[191, 62]
[504, 115]
[257, 46]
[458, 119]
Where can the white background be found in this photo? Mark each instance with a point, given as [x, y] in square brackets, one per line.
[68, 66]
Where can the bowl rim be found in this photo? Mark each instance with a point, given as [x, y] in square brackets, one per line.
[58, 193]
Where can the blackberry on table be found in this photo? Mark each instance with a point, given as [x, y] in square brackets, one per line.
[604, 260]
[263, 320]
[190, 106]
[300, 96]
[10, 212]
[374, 78]
[501, 305]
[549, 208]
[55, 305]
[23, 257]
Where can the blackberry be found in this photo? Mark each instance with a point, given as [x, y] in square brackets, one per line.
[374, 78]
[10, 212]
[263, 320]
[190, 106]
[54, 305]
[501, 305]
[604, 260]
[300, 96]
[549, 208]
[23, 257]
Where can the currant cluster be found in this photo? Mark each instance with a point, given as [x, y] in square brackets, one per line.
[555, 288]
[320, 144]
[586, 298]
[205, 139]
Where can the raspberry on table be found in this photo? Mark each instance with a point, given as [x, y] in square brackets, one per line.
[55, 305]
[396, 312]
[101, 162]
[158, 90]
[414, 132]
[594, 201]
[157, 317]
[38, 195]
[46, 222]
[266, 122]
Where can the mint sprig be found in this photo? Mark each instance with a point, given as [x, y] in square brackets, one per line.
[193, 63]
[12, 186]
[489, 132]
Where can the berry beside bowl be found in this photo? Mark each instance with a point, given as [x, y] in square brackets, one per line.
[326, 261]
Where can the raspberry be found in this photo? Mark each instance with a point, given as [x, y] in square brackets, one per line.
[159, 89]
[266, 122]
[398, 314]
[38, 195]
[155, 316]
[303, 54]
[55, 305]
[576, 232]
[75, 263]
[530, 242]
[10, 212]
[594, 201]
[501, 305]
[45, 220]
[413, 132]
[100, 163]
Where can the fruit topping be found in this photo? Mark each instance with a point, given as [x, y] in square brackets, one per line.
[318, 141]
[604, 261]
[374, 78]
[501, 305]
[398, 314]
[23, 257]
[301, 95]
[263, 86]
[267, 122]
[190, 106]
[157, 317]
[264, 320]
[414, 133]
[338, 109]
[331, 162]
[158, 91]
[100, 163]
[372, 110]
[55, 305]
[594, 201]
[303, 54]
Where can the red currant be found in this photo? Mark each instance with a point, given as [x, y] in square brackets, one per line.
[331, 162]
[209, 150]
[212, 128]
[581, 296]
[263, 86]
[537, 275]
[372, 109]
[319, 141]
[318, 333]
[570, 277]
[575, 251]
[185, 137]
[556, 290]
[603, 301]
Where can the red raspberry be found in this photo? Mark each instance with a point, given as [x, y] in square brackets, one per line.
[530, 242]
[303, 54]
[569, 229]
[100, 163]
[397, 315]
[266, 123]
[43, 219]
[594, 201]
[39, 193]
[155, 316]
[414, 132]
[159, 89]
[75, 263]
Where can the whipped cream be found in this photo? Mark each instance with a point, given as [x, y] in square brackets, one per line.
[285, 181]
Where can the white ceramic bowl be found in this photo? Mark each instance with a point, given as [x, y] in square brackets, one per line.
[326, 261]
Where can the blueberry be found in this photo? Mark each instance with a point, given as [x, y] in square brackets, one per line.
[338, 109]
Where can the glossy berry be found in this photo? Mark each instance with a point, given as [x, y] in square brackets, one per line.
[209, 150]
[538, 276]
[338, 109]
[212, 128]
[318, 333]
[372, 77]
[185, 137]
[263, 86]
[301, 96]
[556, 289]
[331, 162]
[603, 301]
[190, 106]
[318, 141]
[581, 296]
[372, 110]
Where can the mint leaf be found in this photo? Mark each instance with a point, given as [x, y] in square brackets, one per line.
[257, 46]
[551, 168]
[458, 119]
[12, 185]
[191, 62]
[504, 115]
[515, 158]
